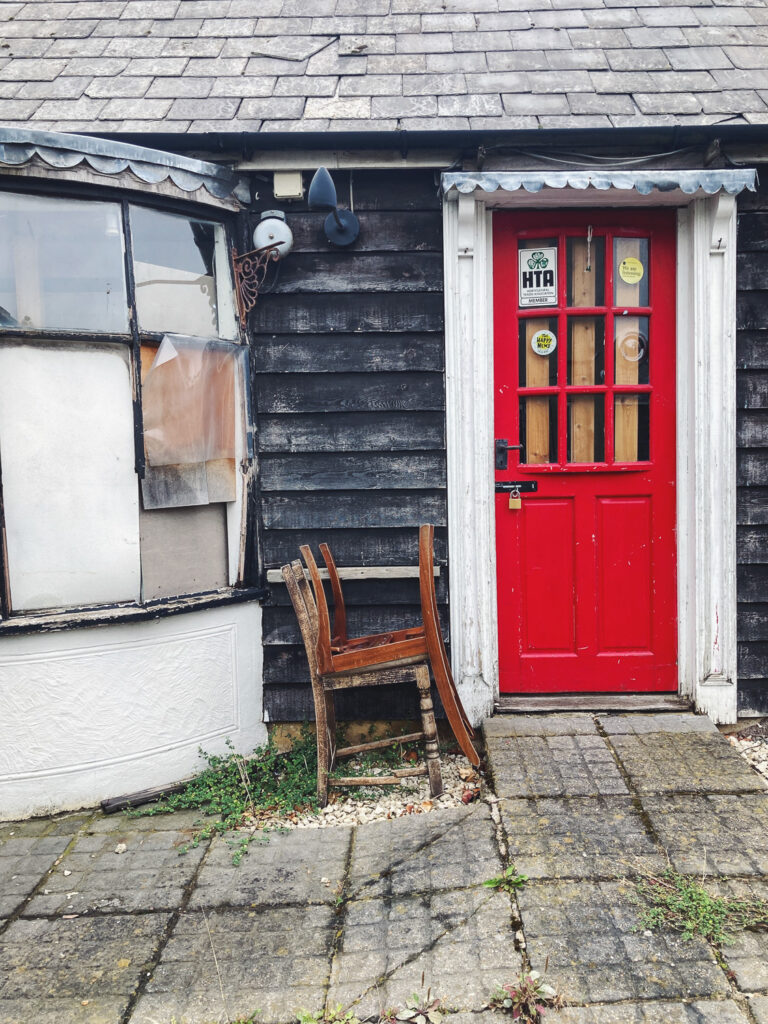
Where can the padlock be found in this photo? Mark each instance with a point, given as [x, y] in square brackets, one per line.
[515, 501]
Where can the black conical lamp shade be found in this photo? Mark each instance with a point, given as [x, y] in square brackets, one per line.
[322, 191]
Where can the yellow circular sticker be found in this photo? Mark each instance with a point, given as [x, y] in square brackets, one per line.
[631, 270]
[543, 343]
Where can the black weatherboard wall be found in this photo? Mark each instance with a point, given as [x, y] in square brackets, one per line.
[349, 360]
[752, 448]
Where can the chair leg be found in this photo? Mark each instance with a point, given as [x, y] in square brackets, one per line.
[323, 703]
[430, 731]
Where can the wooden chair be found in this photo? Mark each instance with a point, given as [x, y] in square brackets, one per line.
[441, 668]
[368, 661]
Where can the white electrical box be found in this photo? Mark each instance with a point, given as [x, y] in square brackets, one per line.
[288, 185]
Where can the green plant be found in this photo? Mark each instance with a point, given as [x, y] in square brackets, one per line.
[683, 904]
[330, 1015]
[528, 999]
[417, 1011]
[510, 881]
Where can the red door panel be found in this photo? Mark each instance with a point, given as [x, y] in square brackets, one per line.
[584, 315]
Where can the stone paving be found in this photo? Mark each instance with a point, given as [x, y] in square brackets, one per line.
[112, 920]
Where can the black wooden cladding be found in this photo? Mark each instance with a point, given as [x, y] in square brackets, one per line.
[350, 396]
[752, 451]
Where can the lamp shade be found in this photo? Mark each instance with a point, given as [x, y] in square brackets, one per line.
[322, 191]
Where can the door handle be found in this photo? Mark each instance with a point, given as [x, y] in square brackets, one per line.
[501, 447]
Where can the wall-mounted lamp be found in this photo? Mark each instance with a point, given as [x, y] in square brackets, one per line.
[272, 239]
[341, 226]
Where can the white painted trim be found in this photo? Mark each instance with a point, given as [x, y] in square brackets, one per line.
[706, 463]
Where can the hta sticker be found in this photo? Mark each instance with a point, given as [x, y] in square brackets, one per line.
[543, 343]
[631, 270]
[538, 277]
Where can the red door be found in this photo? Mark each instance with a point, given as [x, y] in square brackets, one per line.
[584, 314]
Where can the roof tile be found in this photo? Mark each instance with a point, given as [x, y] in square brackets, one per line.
[255, 85]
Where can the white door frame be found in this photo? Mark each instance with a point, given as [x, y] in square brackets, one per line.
[706, 439]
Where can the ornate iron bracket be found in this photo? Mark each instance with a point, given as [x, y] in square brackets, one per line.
[250, 271]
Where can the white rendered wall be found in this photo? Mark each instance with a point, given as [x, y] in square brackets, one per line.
[95, 713]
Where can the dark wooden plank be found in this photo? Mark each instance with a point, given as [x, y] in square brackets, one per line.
[291, 703]
[281, 626]
[752, 311]
[751, 271]
[358, 510]
[336, 272]
[753, 659]
[753, 698]
[752, 428]
[352, 547]
[752, 583]
[343, 392]
[408, 312]
[388, 190]
[378, 593]
[752, 350]
[752, 505]
[752, 621]
[752, 545]
[751, 202]
[516, 704]
[751, 467]
[752, 233]
[752, 389]
[392, 431]
[345, 353]
[344, 472]
[414, 231]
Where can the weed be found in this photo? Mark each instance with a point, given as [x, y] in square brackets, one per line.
[417, 1011]
[683, 904]
[330, 1015]
[528, 999]
[510, 881]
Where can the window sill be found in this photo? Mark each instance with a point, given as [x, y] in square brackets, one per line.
[54, 621]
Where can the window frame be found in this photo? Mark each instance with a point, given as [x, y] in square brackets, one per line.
[252, 584]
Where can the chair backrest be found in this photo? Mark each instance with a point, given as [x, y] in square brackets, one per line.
[323, 645]
[306, 612]
[339, 630]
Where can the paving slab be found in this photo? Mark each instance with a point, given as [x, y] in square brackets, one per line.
[458, 945]
[119, 871]
[641, 725]
[587, 935]
[50, 967]
[578, 837]
[525, 766]
[304, 866]
[228, 963]
[721, 834]
[747, 953]
[539, 725]
[428, 852]
[709, 1011]
[24, 862]
[684, 762]
[759, 1008]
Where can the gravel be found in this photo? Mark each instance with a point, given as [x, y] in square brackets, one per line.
[752, 743]
[462, 784]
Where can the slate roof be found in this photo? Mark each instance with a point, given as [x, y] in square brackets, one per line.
[380, 65]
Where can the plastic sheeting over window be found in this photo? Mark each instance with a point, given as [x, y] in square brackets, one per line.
[191, 416]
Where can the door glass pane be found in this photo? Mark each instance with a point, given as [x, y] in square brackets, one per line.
[586, 428]
[631, 428]
[586, 350]
[174, 265]
[537, 272]
[538, 352]
[61, 265]
[586, 271]
[630, 271]
[538, 429]
[631, 354]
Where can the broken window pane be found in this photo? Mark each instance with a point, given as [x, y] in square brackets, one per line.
[61, 265]
[176, 261]
[191, 418]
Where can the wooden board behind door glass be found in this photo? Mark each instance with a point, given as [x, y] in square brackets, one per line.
[584, 322]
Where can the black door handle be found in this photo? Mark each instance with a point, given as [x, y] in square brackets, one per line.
[501, 447]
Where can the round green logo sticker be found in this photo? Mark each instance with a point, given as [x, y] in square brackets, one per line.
[544, 343]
